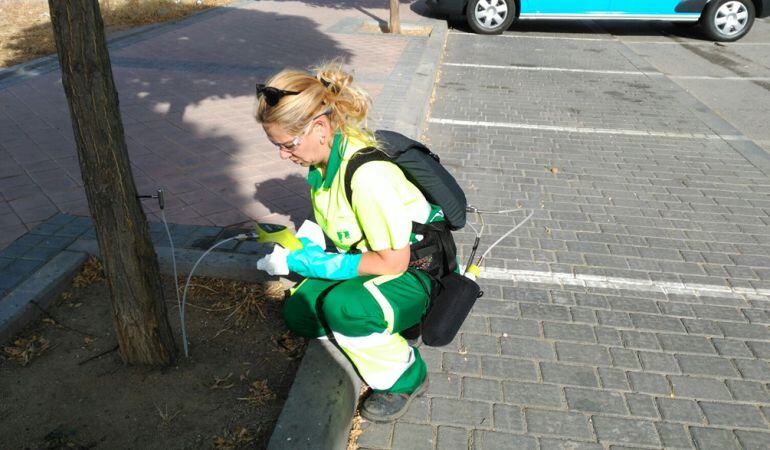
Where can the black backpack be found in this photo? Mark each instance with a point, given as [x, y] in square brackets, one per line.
[421, 166]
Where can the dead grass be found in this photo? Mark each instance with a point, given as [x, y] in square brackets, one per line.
[25, 25]
[244, 302]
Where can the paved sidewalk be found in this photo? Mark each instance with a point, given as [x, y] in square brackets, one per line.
[186, 95]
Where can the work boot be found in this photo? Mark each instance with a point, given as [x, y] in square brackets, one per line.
[387, 407]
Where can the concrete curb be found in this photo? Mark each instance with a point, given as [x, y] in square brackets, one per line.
[319, 409]
[33, 296]
[414, 114]
[233, 266]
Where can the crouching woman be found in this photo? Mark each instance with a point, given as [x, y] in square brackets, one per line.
[364, 295]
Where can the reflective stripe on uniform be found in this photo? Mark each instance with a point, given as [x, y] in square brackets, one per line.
[381, 358]
[387, 309]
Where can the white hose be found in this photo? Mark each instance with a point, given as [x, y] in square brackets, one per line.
[176, 277]
[506, 235]
[187, 285]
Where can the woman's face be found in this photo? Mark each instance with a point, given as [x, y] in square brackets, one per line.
[309, 148]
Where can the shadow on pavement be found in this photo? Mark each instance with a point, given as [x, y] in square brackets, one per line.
[187, 99]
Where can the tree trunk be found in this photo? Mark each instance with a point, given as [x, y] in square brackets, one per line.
[131, 266]
[395, 22]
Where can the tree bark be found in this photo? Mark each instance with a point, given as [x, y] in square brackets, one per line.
[130, 262]
[395, 22]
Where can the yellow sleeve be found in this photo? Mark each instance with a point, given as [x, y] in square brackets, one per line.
[380, 193]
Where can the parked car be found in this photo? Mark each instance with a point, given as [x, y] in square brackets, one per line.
[723, 20]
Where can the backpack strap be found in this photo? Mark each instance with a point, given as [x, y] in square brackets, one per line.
[358, 159]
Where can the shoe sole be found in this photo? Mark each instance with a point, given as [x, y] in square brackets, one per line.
[384, 419]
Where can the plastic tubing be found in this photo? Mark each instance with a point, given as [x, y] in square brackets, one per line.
[176, 277]
[187, 285]
[507, 233]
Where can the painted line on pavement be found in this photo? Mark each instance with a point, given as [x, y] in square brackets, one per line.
[702, 44]
[706, 77]
[555, 69]
[604, 72]
[517, 36]
[586, 130]
[596, 281]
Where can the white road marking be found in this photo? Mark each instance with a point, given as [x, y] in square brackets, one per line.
[705, 77]
[593, 281]
[604, 72]
[700, 44]
[554, 69]
[516, 36]
[585, 130]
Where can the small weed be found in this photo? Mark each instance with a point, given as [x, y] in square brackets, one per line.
[166, 417]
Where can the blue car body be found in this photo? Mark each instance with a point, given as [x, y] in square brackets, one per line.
[684, 10]
[668, 10]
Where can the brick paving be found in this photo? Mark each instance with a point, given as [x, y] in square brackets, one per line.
[653, 329]
[186, 95]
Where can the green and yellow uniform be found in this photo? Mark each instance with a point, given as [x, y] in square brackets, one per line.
[366, 313]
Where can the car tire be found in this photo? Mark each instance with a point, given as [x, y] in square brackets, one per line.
[490, 16]
[727, 20]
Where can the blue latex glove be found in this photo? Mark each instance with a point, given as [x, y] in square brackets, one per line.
[311, 261]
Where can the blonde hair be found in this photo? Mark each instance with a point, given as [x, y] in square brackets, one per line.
[329, 89]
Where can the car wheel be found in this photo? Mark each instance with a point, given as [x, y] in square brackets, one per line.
[490, 16]
[728, 20]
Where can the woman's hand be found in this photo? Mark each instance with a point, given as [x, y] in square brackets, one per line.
[384, 262]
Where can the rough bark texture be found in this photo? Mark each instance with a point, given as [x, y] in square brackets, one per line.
[395, 22]
[130, 263]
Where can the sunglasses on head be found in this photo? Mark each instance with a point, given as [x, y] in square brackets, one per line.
[272, 95]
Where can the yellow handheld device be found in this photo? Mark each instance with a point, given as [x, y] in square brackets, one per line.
[277, 234]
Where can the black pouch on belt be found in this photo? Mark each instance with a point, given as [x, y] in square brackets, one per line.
[449, 308]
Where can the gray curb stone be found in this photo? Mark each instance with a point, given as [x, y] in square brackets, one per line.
[233, 266]
[33, 296]
[320, 407]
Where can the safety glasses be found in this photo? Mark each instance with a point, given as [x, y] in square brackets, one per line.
[272, 95]
[291, 145]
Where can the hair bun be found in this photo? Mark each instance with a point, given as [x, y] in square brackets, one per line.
[329, 85]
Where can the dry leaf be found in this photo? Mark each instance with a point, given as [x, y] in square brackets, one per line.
[259, 393]
[239, 437]
[24, 350]
[91, 273]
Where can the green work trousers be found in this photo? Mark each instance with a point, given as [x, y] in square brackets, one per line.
[365, 315]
